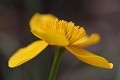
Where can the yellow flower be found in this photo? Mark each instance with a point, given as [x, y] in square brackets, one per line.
[60, 33]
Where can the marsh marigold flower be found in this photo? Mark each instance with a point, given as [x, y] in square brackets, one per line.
[53, 31]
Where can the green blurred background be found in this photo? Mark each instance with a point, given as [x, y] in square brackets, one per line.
[100, 16]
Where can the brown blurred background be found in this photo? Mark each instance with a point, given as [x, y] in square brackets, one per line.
[101, 16]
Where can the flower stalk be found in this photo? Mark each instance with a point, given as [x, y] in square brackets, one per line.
[56, 63]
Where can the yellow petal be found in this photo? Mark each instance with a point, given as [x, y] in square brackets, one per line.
[86, 41]
[40, 27]
[37, 19]
[89, 58]
[50, 37]
[25, 54]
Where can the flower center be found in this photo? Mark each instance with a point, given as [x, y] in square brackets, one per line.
[59, 32]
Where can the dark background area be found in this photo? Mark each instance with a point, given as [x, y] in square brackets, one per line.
[96, 16]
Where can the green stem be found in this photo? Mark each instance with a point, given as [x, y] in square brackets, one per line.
[56, 63]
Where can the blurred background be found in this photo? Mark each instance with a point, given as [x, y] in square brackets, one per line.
[96, 16]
